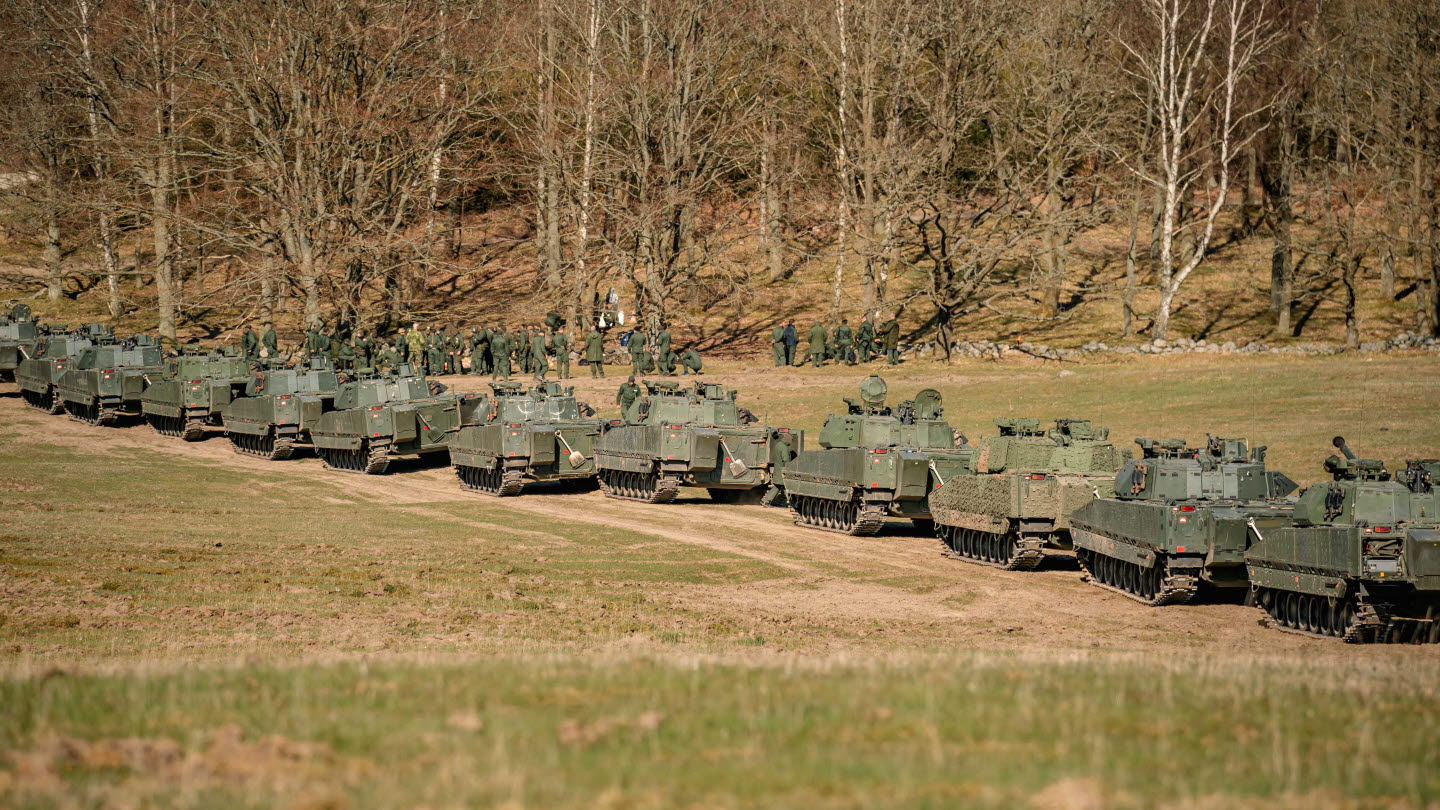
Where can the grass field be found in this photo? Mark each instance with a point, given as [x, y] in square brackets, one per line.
[185, 627]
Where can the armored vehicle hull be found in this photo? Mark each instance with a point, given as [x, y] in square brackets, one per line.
[697, 437]
[17, 342]
[106, 383]
[539, 435]
[852, 490]
[387, 418]
[1016, 500]
[194, 391]
[875, 462]
[38, 378]
[1361, 559]
[279, 408]
[1180, 518]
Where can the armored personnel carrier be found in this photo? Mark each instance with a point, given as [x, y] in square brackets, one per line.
[1361, 559]
[876, 461]
[106, 382]
[53, 355]
[191, 393]
[1018, 495]
[695, 435]
[18, 335]
[279, 408]
[1180, 517]
[379, 419]
[543, 434]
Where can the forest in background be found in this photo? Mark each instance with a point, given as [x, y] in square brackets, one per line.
[360, 162]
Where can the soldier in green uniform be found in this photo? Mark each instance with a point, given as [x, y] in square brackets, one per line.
[435, 352]
[627, 395]
[479, 346]
[560, 344]
[271, 342]
[402, 346]
[817, 345]
[844, 343]
[249, 344]
[500, 353]
[637, 350]
[520, 349]
[454, 356]
[690, 359]
[890, 338]
[538, 360]
[315, 344]
[595, 352]
[663, 358]
[364, 349]
[416, 341]
[386, 359]
[777, 344]
[344, 354]
[865, 340]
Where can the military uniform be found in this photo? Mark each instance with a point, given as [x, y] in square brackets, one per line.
[817, 345]
[537, 354]
[637, 350]
[865, 341]
[250, 344]
[595, 353]
[344, 354]
[890, 338]
[777, 344]
[387, 359]
[500, 355]
[844, 350]
[663, 358]
[561, 344]
[691, 361]
[271, 342]
[626, 396]
[416, 341]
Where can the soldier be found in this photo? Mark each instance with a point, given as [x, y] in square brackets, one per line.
[890, 338]
[663, 358]
[792, 340]
[364, 349]
[387, 359]
[313, 343]
[344, 354]
[250, 344]
[521, 349]
[690, 359]
[865, 340]
[561, 345]
[595, 352]
[538, 360]
[416, 341]
[270, 342]
[454, 344]
[817, 345]
[777, 344]
[844, 351]
[500, 353]
[402, 346]
[479, 344]
[637, 349]
[435, 352]
[627, 395]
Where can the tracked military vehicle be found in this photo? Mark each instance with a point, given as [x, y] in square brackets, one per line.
[543, 434]
[876, 461]
[105, 382]
[18, 335]
[39, 374]
[1016, 498]
[1181, 517]
[1361, 559]
[377, 420]
[191, 393]
[695, 435]
[279, 408]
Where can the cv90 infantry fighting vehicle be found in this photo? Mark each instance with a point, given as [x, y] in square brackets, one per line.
[18, 335]
[279, 408]
[1180, 517]
[691, 435]
[106, 382]
[538, 435]
[875, 462]
[53, 355]
[1361, 560]
[376, 420]
[1023, 486]
[191, 393]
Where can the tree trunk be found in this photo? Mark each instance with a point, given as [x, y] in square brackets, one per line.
[54, 271]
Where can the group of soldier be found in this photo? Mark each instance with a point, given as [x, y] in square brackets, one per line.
[841, 344]
[490, 350]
